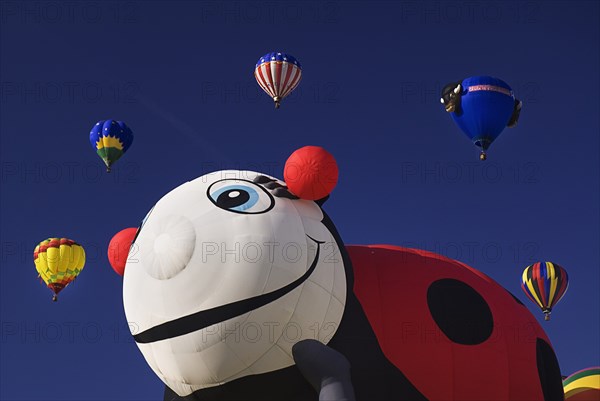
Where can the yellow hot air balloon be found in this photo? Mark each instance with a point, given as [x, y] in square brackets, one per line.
[58, 262]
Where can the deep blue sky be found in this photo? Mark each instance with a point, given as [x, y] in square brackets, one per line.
[181, 75]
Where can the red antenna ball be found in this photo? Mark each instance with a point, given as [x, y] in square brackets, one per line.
[118, 249]
[311, 173]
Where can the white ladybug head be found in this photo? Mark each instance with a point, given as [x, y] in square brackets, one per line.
[226, 273]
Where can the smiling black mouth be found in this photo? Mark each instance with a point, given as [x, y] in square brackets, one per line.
[203, 319]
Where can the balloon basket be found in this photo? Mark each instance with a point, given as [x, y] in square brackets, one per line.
[482, 156]
[54, 298]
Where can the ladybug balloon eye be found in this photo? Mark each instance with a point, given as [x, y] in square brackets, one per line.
[240, 196]
[237, 199]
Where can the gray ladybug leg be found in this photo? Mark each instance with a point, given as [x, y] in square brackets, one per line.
[325, 369]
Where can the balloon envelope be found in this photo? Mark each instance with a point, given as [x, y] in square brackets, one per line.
[583, 385]
[487, 104]
[545, 283]
[278, 74]
[450, 327]
[118, 249]
[181, 287]
[58, 262]
[110, 139]
[408, 322]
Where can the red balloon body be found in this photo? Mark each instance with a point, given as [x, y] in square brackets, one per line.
[311, 173]
[486, 345]
[118, 249]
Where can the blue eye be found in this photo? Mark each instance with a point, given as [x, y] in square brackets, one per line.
[235, 197]
[240, 197]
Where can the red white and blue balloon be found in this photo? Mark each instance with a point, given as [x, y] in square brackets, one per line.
[278, 74]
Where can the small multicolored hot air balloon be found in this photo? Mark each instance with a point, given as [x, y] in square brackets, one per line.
[481, 106]
[583, 385]
[278, 74]
[110, 139]
[58, 262]
[545, 283]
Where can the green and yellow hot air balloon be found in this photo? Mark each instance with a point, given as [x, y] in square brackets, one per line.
[583, 385]
[110, 139]
[58, 262]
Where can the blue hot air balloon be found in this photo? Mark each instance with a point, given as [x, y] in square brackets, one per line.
[482, 107]
[110, 139]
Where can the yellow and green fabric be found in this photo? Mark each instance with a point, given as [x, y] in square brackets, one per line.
[58, 262]
[583, 385]
[110, 139]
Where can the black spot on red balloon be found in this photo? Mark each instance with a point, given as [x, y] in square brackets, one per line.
[549, 372]
[460, 312]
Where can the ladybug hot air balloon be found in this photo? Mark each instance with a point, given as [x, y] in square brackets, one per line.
[110, 139]
[58, 262]
[481, 106]
[306, 317]
[545, 283]
[278, 74]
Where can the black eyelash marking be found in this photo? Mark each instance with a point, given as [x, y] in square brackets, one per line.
[273, 185]
[276, 188]
[262, 179]
[282, 192]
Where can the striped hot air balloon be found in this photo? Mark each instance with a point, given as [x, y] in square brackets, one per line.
[545, 283]
[58, 262]
[583, 385]
[278, 74]
[110, 139]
